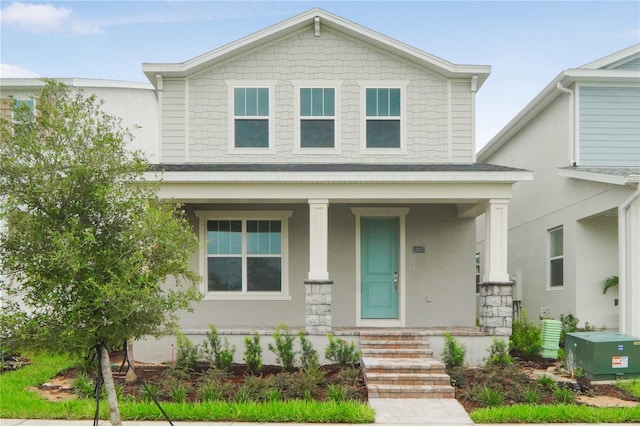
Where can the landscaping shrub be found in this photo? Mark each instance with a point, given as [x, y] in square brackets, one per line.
[490, 397]
[453, 352]
[308, 355]
[339, 393]
[499, 354]
[83, 386]
[186, 353]
[283, 347]
[253, 354]
[217, 350]
[530, 394]
[342, 353]
[564, 396]
[526, 336]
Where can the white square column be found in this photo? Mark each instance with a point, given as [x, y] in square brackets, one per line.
[496, 240]
[318, 239]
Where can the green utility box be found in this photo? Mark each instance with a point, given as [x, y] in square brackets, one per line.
[603, 355]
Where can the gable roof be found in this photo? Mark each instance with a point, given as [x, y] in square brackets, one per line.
[309, 19]
[601, 71]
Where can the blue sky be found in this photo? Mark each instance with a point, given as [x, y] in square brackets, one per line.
[526, 43]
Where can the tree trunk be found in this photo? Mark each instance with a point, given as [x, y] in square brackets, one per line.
[112, 399]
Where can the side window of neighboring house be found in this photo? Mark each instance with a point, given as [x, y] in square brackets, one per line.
[245, 257]
[251, 117]
[556, 257]
[383, 117]
[317, 117]
[478, 273]
[21, 106]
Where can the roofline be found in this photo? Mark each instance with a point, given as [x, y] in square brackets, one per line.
[339, 177]
[448, 69]
[31, 83]
[548, 95]
[600, 177]
[613, 59]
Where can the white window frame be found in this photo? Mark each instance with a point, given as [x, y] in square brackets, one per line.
[251, 84]
[551, 258]
[402, 85]
[317, 84]
[282, 215]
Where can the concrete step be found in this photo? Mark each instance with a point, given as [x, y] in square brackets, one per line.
[397, 353]
[394, 344]
[398, 335]
[408, 391]
[403, 365]
[415, 379]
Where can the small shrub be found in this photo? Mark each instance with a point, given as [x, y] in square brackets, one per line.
[253, 389]
[150, 391]
[186, 354]
[530, 394]
[349, 376]
[217, 350]
[273, 395]
[499, 354]
[283, 347]
[253, 354]
[547, 383]
[178, 392]
[83, 386]
[453, 352]
[339, 393]
[564, 396]
[342, 353]
[526, 336]
[490, 397]
[212, 392]
[308, 355]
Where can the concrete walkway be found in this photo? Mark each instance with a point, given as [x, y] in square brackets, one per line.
[389, 412]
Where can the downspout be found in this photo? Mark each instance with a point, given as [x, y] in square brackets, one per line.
[622, 258]
[572, 137]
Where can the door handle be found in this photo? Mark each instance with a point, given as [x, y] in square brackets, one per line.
[395, 280]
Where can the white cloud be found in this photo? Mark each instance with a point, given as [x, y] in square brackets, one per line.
[43, 19]
[14, 71]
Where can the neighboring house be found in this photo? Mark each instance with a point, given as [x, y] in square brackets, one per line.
[578, 221]
[329, 172]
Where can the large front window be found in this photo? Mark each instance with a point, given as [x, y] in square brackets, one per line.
[245, 256]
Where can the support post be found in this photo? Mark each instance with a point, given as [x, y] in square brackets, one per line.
[318, 317]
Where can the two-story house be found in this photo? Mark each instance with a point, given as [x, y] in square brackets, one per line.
[578, 222]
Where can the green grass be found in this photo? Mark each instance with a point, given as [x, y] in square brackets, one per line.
[555, 414]
[632, 386]
[19, 402]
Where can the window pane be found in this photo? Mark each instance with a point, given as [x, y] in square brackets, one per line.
[251, 107]
[317, 101]
[394, 102]
[239, 101]
[557, 242]
[383, 102]
[252, 133]
[317, 133]
[305, 102]
[372, 102]
[225, 273]
[557, 272]
[329, 102]
[263, 236]
[263, 101]
[224, 237]
[264, 273]
[383, 133]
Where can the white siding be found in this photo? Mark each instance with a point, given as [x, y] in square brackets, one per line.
[173, 121]
[461, 122]
[609, 126]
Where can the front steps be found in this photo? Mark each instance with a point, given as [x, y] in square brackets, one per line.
[400, 364]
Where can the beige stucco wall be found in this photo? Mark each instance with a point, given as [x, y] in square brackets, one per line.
[197, 109]
[581, 207]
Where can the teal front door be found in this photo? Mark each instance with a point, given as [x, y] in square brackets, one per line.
[379, 267]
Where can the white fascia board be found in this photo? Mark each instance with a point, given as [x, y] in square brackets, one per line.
[614, 58]
[600, 177]
[602, 76]
[338, 177]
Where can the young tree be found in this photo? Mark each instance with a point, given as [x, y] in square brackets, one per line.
[89, 244]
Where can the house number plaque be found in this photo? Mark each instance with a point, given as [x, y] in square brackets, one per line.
[419, 249]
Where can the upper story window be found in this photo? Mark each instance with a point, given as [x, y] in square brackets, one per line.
[251, 117]
[23, 109]
[556, 257]
[317, 117]
[383, 112]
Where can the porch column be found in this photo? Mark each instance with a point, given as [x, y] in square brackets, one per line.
[496, 291]
[318, 285]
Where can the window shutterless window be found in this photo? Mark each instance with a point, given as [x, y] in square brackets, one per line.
[383, 112]
[245, 255]
[556, 257]
[317, 117]
[251, 117]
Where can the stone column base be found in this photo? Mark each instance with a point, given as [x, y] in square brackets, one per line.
[496, 311]
[317, 315]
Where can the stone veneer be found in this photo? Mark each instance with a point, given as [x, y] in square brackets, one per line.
[317, 316]
[496, 308]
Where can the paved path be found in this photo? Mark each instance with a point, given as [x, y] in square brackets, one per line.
[389, 412]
